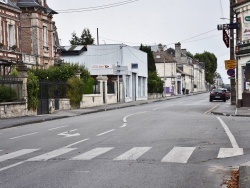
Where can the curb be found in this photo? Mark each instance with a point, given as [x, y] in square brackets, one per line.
[244, 177]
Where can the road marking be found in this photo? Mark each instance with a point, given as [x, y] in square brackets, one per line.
[7, 167]
[125, 118]
[211, 109]
[230, 152]
[67, 133]
[76, 143]
[51, 154]
[179, 155]
[133, 154]
[236, 111]
[16, 154]
[105, 132]
[92, 153]
[229, 134]
[23, 135]
[57, 128]
[124, 125]
[163, 107]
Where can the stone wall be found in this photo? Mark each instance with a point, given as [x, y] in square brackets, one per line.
[91, 100]
[64, 104]
[12, 109]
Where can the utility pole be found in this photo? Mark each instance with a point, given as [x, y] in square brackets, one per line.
[232, 80]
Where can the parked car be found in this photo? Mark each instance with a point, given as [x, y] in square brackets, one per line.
[218, 94]
[227, 93]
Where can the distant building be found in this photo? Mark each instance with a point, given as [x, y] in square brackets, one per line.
[10, 46]
[105, 61]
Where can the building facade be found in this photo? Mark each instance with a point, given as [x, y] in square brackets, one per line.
[242, 10]
[125, 66]
[10, 46]
[38, 33]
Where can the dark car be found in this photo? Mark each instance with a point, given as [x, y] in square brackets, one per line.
[218, 94]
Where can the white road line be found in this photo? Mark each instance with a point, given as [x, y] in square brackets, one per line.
[51, 154]
[23, 135]
[179, 155]
[124, 125]
[105, 132]
[13, 165]
[236, 111]
[92, 153]
[230, 152]
[16, 154]
[76, 143]
[57, 128]
[211, 109]
[229, 134]
[133, 154]
[163, 107]
[125, 118]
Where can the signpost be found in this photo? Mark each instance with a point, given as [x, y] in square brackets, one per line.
[230, 64]
[225, 38]
[231, 72]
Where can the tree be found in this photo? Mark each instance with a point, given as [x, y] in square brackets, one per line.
[85, 38]
[151, 60]
[210, 61]
[189, 54]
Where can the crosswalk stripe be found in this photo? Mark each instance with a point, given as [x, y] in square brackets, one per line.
[133, 154]
[179, 155]
[51, 154]
[16, 154]
[230, 152]
[92, 153]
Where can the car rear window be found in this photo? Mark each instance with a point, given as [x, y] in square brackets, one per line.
[217, 90]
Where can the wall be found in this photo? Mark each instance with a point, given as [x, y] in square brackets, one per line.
[9, 109]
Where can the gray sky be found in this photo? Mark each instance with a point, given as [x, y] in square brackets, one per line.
[149, 22]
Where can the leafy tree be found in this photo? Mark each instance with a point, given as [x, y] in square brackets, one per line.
[33, 89]
[151, 60]
[155, 84]
[85, 38]
[210, 61]
[189, 54]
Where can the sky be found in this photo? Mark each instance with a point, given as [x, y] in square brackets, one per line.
[193, 23]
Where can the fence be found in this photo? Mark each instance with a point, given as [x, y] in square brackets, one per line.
[10, 89]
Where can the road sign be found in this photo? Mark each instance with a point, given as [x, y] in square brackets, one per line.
[225, 38]
[231, 72]
[120, 70]
[230, 64]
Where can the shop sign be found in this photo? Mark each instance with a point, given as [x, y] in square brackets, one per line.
[242, 49]
[246, 33]
[99, 66]
[247, 18]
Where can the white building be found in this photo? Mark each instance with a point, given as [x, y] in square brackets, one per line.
[104, 63]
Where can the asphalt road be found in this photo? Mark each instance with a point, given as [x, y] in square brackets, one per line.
[169, 144]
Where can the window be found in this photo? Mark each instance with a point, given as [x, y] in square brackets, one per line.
[127, 86]
[11, 36]
[45, 38]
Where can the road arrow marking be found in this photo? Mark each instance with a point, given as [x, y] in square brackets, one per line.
[230, 152]
[67, 133]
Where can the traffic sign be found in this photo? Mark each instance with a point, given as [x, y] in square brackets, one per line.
[230, 64]
[231, 72]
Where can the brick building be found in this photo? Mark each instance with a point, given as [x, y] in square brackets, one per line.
[10, 46]
[38, 33]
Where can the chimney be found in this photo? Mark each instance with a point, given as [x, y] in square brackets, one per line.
[178, 52]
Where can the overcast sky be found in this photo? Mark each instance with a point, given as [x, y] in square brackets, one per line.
[150, 22]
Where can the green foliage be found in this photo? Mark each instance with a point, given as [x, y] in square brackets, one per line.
[151, 60]
[155, 84]
[7, 94]
[210, 61]
[33, 89]
[84, 39]
[75, 89]
[189, 54]
[88, 86]
[14, 72]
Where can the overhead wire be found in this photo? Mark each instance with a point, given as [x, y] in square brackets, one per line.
[98, 7]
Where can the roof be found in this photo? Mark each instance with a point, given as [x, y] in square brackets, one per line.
[73, 50]
[34, 3]
[161, 57]
[11, 4]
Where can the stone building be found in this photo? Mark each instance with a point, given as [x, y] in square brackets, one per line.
[10, 46]
[38, 33]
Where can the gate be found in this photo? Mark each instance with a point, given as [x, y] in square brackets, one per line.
[50, 90]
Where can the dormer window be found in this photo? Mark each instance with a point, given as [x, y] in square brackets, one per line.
[4, 1]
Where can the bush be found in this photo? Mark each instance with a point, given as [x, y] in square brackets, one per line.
[155, 84]
[33, 89]
[88, 86]
[7, 94]
[75, 88]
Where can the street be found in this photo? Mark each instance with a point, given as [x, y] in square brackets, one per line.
[168, 144]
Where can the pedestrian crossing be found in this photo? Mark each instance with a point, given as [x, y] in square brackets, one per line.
[179, 155]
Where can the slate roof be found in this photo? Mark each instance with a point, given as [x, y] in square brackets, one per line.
[33, 3]
[11, 4]
[168, 58]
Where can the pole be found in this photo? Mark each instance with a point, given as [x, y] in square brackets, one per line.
[97, 37]
[232, 81]
[164, 92]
